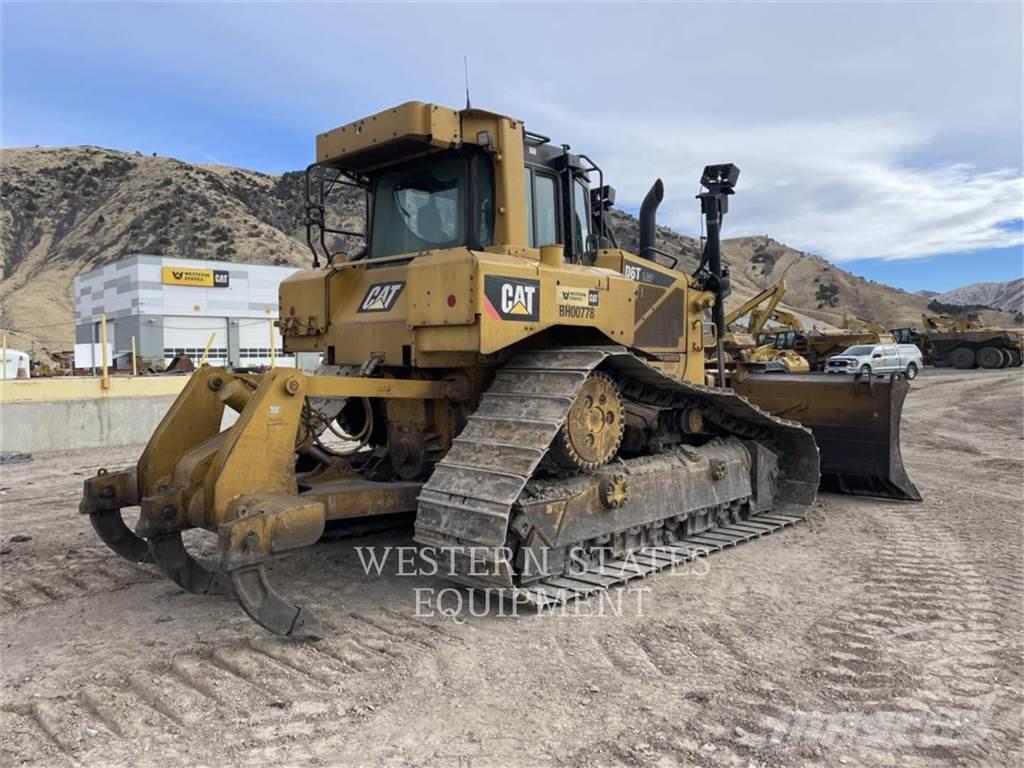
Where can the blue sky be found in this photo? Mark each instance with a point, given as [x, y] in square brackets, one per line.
[884, 137]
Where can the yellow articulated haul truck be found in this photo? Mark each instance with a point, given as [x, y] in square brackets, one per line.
[495, 363]
[948, 341]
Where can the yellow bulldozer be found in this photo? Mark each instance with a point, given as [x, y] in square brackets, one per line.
[493, 362]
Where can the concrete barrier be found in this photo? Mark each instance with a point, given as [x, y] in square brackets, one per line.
[54, 425]
[56, 414]
[82, 412]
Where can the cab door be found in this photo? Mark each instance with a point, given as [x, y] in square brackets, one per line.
[890, 358]
[878, 361]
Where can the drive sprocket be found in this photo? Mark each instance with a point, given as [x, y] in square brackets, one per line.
[593, 429]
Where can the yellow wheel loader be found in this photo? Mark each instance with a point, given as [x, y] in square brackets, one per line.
[493, 362]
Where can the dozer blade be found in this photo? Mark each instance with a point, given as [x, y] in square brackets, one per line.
[856, 424]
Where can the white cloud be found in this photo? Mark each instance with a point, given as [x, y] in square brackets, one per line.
[863, 130]
[843, 188]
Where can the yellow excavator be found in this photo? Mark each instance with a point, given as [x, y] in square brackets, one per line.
[752, 349]
[851, 323]
[812, 348]
[492, 361]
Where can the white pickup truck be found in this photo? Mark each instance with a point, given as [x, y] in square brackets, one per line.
[868, 359]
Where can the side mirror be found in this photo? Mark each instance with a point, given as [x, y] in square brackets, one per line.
[877, 354]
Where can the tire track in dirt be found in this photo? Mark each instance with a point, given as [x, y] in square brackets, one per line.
[928, 621]
[41, 582]
[265, 685]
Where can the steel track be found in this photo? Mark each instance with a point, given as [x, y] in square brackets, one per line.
[466, 506]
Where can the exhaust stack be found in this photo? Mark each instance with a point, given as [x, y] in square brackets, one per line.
[648, 209]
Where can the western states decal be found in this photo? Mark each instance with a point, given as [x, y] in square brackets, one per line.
[644, 274]
[512, 298]
[381, 297]
[576, 303]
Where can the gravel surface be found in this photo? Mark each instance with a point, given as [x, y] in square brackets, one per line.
[876, 633]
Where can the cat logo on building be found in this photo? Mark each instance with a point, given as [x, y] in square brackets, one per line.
[195, 278]
[381, 297]
[509, 298]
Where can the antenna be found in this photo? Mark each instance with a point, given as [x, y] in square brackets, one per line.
[465, 67]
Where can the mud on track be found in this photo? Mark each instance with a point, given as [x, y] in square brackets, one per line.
[877, 634]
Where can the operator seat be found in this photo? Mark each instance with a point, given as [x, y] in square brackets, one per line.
[428, 223]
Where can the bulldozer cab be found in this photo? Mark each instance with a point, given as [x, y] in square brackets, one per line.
[437, 179]
[480, 237]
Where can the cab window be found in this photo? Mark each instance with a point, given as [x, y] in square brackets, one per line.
[541, 207]
[544, 202]
[581, 211]
[483, 216]
[419, 208]
[529, 209]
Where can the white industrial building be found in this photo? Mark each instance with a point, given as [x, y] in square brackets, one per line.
[172, 306]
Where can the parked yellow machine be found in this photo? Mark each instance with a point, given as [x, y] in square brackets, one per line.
[536, 394]
[964, 343]
[745, 353]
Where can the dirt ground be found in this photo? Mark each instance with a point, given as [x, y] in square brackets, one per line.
[876, 633]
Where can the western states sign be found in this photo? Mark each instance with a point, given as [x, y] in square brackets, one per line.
[195, 278]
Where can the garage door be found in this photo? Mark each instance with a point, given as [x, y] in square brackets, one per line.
[188, 335]
[254, 344]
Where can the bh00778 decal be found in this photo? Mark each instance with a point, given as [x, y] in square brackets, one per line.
[576, 303]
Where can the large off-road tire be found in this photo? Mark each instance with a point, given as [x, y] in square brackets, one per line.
[1015, 358]
[1007, 360]
[911, 371]
[990, 357]
[962, 357]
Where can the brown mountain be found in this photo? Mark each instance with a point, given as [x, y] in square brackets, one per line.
[1008, 295]
[66, 210]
